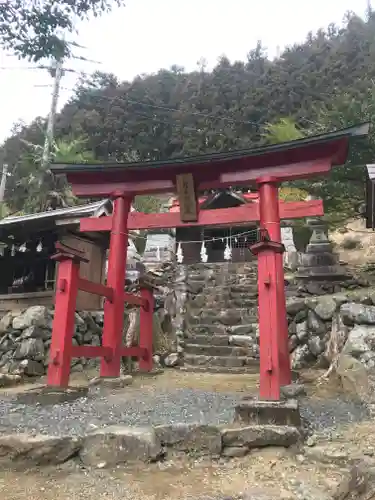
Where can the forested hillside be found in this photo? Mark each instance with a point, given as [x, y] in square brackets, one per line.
[323, 84]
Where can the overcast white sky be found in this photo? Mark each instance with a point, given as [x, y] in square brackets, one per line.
[150, 34]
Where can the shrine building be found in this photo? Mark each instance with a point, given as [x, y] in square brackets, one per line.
[217, 239]
[27, 242]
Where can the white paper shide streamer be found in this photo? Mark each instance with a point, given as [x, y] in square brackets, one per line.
[204, 256]
[179, 254]
[227, 251]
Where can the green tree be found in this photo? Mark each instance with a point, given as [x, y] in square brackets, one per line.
[344, 190]
[284, 130]
[236, 105]
[33, 29]
[36, 185]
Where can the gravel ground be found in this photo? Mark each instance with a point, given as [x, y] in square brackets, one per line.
[163, 407]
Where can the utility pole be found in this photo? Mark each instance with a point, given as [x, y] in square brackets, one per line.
[57, 68]
[3, 182]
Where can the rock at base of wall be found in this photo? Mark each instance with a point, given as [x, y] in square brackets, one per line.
[262, 412]
[258, 436]
[190, 438]
[354, 377]
[117, 445]
[25, 450]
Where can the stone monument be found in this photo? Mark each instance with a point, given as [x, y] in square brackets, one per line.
[319, 264]
[160, 248]
[290, 255]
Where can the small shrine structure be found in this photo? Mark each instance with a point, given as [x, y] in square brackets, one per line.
[261, 168]
[217, 240]
[237, 238]
[27, 242]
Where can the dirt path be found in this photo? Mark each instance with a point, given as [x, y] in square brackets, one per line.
[276, 473]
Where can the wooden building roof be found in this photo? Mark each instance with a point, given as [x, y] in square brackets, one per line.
[17, 227]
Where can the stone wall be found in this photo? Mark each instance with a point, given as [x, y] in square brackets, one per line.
[119, 445]
[348, 317]
[25, 339]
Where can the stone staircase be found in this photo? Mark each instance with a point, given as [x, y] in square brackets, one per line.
[221, 322]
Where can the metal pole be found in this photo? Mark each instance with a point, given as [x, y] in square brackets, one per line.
[3, 182]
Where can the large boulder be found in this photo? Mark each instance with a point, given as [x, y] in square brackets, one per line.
[25, 450]
[34, 332]
[358, 483]
[354, 378]
[316, 345]
[30, 348]
[190, 438]
[361, 339]
[302, 331]
[33, 316]
[294, 305]
[28, 367]
[315, 324]
[7, 343]
[352, 313]
[325, 308]
[116, 445]
[301, 357]
[6, 322]
[257, 436]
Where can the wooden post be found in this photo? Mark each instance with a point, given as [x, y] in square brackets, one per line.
[114, 310]
[145, 330]
[269, 320]
[63, 323]
[269, 216]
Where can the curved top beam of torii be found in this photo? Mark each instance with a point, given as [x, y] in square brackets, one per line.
[286, 161]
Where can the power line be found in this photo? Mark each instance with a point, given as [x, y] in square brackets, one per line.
[172, 124]
[195, 113]
[174, 110]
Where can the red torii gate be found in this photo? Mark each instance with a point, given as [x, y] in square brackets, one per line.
[264, 167]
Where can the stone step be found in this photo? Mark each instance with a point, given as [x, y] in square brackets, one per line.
[221, 274]
[226, 361]
[209, 265]
[209, 330]
[236, 284]
[215, 350]
[202, 302]
[220, 369]
[216, 288]
[237, 312]
[225, 320]
[204, 340]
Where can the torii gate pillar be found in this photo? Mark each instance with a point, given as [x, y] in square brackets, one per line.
[273, 324]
